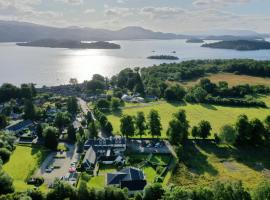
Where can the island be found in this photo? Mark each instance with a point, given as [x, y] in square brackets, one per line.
[240, 45]
[70, 44]
[163, 57]
[195, 40]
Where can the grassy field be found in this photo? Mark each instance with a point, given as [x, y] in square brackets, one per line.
[23, 163]
[233, 79]
[205, 163]
[216, 115]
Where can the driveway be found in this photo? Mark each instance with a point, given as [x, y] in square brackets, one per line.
[64, 164]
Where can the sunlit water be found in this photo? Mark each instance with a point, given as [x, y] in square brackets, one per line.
[46, 66]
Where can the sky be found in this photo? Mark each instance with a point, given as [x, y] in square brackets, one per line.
[178, 16]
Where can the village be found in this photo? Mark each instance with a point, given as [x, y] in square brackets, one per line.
[132, 162]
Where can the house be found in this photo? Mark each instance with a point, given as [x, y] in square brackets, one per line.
[106, 151]
[131, 178]
[115, 143]
[126, 98]
[19, 126]
[90, 160]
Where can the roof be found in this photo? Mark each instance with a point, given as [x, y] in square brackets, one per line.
[131, 178]
[90, 157]
[108, 142]
[19, 125]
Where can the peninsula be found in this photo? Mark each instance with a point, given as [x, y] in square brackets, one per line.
[240, 45]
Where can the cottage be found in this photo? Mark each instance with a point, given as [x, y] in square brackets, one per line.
[131, 178]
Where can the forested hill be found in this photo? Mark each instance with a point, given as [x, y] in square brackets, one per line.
[240, 45]
[189, 70]
[70, 44]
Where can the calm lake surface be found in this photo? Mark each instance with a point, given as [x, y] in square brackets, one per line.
[46, 66]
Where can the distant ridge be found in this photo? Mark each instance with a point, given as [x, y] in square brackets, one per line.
[13, 31]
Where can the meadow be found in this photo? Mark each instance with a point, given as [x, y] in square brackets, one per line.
[232, 79]
[23, 163]
[216, 115]
[205, 163]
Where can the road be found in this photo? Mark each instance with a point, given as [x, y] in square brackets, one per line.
[64, 164]
[85, 110]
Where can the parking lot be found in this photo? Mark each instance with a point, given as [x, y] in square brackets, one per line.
[61, 165]
[148, 146]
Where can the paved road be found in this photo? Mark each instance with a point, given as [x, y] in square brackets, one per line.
[64, 164]
[85, 110]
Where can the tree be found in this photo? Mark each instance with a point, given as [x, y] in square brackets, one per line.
[257, 132]
[51, 138]
[39, 130]
[93, 132]
[127, 126]
[243, 130]
[6, 183]
[61, 120]
[154, 191]
[103, 104]
[72, 105]
[199, 94]
[4, 154]
[61, 190]
[3, 121]
[108, 128]
[195, 132]
[140, 124]
[154, 123]
[174, 132]
[262, 191]
[29, 109]
[204, 129]
[225, 191]
[71, 132]
[228, 134]
[115, 103]
[174, 93]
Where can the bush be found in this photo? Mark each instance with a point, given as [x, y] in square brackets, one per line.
[262, 191]
[4, 154]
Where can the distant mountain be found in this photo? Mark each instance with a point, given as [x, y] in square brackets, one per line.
[240, 45]
[24, 32]
[12, 31]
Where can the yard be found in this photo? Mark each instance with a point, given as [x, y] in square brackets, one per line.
[205, 163]
[216, 115]
[135, 160]
[23, 163]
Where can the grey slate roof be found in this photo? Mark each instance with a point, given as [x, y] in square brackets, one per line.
[90, 157]
[131, 178]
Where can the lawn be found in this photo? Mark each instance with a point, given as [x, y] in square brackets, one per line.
[205, 163]
[23, 163]
[233, 79]
[216, 115]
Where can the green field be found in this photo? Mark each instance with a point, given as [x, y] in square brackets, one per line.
[216, 115]
[23, 163]
[205, 163]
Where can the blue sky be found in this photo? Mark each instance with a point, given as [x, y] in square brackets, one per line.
[179, 16]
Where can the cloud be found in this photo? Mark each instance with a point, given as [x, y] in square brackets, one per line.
[162, 12]
[73, 2]
[89, 11]
[215, 3]
[117, 12]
